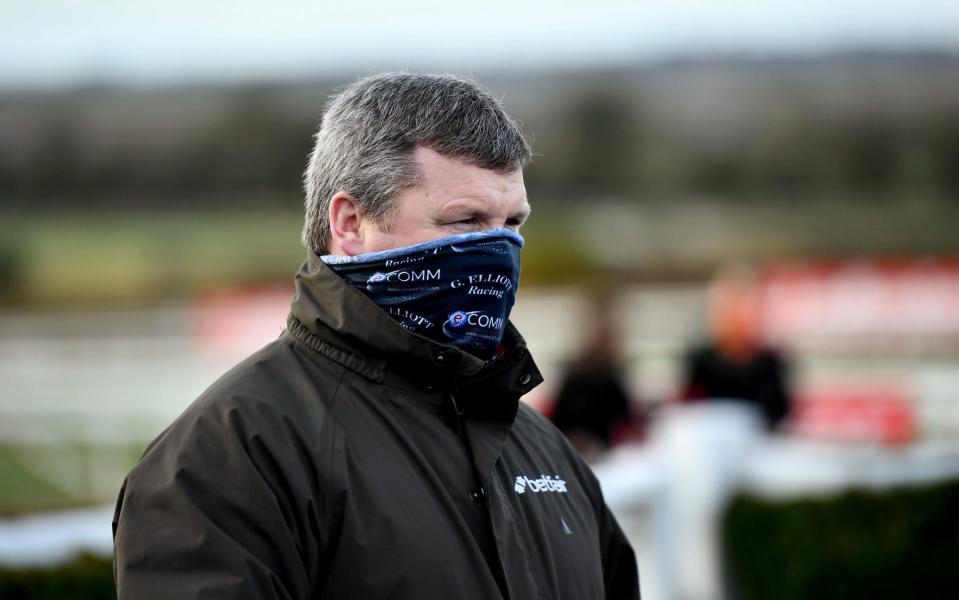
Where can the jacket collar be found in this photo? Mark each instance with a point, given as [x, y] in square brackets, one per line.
[340, 322]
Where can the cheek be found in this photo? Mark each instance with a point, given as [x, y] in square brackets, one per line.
[375, 239]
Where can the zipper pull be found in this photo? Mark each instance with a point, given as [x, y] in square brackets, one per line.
[456, 406]
[460, 425]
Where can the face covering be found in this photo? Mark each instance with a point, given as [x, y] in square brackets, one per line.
[455, 290]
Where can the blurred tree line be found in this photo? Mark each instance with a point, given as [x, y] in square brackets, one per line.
[71, 158]
[857, 125]
[657, 172]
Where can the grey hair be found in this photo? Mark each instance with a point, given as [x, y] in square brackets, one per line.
[365, 142]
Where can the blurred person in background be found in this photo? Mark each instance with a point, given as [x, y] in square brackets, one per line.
[736, 364]
[378, 448]
[593, 406]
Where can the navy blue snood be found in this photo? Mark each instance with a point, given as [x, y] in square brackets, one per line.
[455, 290]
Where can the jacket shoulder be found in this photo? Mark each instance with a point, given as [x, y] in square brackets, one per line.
[244, 469]
[283, 375]
[535, 431]
[275, 407]
[279, 381]
[532, 422]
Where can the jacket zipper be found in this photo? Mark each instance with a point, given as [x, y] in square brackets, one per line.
[464, 438]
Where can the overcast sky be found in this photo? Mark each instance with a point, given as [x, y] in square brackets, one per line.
[52, 43]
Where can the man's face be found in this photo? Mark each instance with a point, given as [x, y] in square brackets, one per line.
[453, 197]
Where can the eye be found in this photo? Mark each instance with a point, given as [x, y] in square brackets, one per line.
[468, 221]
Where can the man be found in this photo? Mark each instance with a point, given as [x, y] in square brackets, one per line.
[378, 448]
[592, 404]
[737, 364]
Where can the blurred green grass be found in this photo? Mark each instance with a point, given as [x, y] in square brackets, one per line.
[120, 258]
[53, 477]
[123, 258]
[101, 258]
[23, 490]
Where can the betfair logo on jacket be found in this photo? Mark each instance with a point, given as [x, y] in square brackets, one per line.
[545, 483]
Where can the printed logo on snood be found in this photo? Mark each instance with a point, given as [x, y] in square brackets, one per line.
[455, 290]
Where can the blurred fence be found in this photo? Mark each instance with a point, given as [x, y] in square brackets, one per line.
[84, 391]
[120, 376]
[115, 378]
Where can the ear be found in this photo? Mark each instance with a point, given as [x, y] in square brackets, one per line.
[346, 225]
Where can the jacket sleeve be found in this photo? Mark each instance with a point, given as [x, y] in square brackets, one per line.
[620, 572]
[207, 512]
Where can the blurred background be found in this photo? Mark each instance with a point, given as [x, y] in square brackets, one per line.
[741, 278]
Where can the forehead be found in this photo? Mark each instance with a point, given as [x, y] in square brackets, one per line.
[449, 178]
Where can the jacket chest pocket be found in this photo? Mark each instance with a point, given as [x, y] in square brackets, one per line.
[402, 536]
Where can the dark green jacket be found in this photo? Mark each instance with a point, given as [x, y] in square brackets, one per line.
[352, 459]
